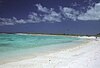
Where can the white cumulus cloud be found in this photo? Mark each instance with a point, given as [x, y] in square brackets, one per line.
[52, 17]
[49, 15]
[91, 14]
[41, 8]
[6, 21]
[69, 13]
[11, 21]
[33, 18]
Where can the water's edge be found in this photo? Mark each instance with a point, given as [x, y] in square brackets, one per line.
[38, 51]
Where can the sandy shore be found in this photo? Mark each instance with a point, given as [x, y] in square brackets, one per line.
[87, 56]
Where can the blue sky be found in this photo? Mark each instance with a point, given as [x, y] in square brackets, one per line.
[50, 16]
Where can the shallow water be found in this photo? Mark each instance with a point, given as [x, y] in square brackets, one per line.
[17, 46]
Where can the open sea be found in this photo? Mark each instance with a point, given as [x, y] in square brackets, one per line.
[14, 47]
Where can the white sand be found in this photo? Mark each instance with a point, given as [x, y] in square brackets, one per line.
[87, 56]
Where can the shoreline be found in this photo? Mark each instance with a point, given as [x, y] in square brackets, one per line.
[44, 50]
[22, 33]
[62, 59]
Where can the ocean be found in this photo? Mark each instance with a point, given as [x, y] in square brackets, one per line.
[14, 47]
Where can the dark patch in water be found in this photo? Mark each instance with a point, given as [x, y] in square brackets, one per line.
[5, 45]
[66, 41]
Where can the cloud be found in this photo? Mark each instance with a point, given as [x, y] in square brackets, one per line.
[49, 15]
[11, 21]
[52, 17]
[91, 14]
[41, 8]
[33, 18]
[6, 21]
[69, 13]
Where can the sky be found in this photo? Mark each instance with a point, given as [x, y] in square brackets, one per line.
[50, 16]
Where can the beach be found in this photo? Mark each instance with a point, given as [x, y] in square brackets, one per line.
[86, 55]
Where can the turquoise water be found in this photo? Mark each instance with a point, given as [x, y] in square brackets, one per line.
[16, 44]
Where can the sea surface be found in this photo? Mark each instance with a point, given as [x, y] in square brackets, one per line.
[21, 46]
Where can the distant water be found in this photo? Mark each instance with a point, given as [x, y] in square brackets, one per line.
[21, 45]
